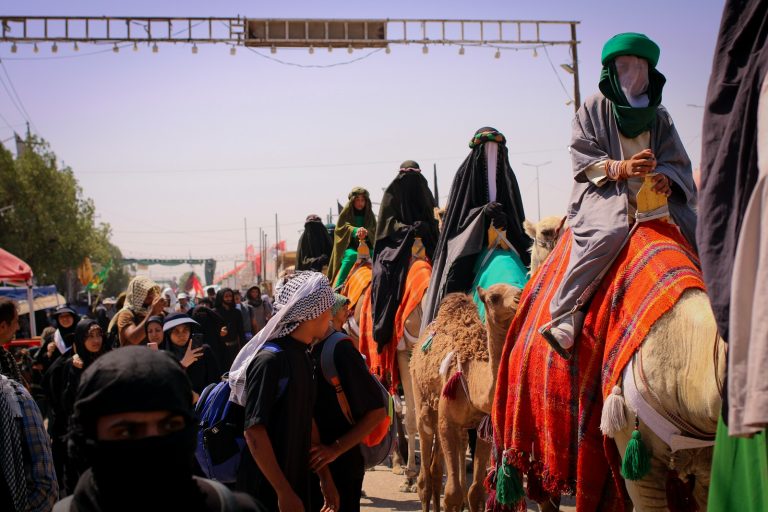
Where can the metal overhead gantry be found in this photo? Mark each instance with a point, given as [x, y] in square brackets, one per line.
[294, 33]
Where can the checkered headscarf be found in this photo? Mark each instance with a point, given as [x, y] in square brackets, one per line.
[304, 296]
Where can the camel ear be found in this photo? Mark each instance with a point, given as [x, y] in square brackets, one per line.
[530, 228]
[481, 294]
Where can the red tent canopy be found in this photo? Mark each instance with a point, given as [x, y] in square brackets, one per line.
[13, 269]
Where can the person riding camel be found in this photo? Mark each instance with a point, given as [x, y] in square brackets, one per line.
[406, 212]
[356, 223]
[484, 193]
[315, 245]
[620, 136]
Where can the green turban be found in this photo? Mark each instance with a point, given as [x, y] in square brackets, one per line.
[631, 121]
[631, 43]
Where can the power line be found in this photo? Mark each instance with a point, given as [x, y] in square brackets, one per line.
[565, 90]
[298, 166]
[310, 66]
[13, 88]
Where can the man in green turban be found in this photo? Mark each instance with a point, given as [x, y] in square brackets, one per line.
[619, 136]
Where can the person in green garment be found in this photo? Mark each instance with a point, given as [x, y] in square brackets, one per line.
[356, 223]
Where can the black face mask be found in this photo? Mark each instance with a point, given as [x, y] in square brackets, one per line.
[150, 473]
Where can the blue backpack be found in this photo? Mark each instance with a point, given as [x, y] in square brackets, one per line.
[220, 438]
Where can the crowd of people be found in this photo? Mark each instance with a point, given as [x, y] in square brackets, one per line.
[118, 389]
[119, 394]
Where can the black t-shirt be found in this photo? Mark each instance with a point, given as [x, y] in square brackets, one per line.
[285, 409]
[363, 394]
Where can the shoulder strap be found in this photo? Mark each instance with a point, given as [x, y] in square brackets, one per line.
[282, 384]
[331, 374]
[224, 496]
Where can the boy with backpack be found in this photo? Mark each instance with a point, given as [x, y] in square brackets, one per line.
[349, 406]
[272, 379]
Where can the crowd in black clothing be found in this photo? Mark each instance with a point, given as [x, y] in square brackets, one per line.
[201, 343]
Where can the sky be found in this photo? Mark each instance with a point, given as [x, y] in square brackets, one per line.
[176, 149]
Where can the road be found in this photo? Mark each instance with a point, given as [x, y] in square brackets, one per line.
[381, 487]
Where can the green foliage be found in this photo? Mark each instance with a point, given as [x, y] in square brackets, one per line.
[51, 225]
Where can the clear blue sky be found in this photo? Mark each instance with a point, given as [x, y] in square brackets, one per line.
[176, 149]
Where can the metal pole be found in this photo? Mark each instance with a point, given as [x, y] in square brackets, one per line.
[245, 229]
[575, 66]
[31, 308]
[434, 184]
[277, 248]
[538, 187]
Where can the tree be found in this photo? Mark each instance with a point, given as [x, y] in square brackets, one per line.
[50, 225]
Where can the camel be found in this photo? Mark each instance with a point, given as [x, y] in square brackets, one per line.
[678, 370]
[683, 362]
[545, 234]
[458, 340]
[404, 349]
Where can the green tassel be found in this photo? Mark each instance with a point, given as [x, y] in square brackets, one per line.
[427, 343]
[637, 460]
[509, 485]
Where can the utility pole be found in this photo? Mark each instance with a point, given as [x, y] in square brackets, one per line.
[245, 230]
[538, 187]
[277, 247]
[434, 184]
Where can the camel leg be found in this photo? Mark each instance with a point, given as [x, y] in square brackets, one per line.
[463, 466]
[436, 471]
[403, 361]
[453, 442]
[648, 493]
[476, 496]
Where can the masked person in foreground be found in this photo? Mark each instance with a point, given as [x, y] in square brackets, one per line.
[407, 211]
[133, 423]
[484, 193]
[620, 135]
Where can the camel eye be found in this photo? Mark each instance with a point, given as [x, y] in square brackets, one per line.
[547, 232]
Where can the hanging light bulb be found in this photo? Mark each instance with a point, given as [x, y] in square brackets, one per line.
[535, 53]
[273, 50]
[54, 48]
[135, 46]
[116, 48]
[425, 49]
[75, 47]
[330, 48]
[461, 50]
[388, 50]
[35, 48]
[194, 49]
[232, 51]
[497, 55]
[154, 48]
[14, 48]
[311, 49]
[350, 50]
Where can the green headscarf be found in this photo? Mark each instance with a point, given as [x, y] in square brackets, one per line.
[632, 121]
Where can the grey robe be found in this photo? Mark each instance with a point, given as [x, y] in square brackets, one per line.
[599, 216]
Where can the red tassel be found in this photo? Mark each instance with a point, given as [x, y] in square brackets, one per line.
[680, 494]
[485, 429]
[452, 386]
[535, 490]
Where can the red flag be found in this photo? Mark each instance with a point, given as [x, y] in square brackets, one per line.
[197, 286]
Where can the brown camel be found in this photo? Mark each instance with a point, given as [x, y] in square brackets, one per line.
[461, 343]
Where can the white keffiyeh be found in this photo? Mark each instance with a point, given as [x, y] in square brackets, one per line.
[306, 295]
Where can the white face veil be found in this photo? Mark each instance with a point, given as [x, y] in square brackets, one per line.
[305, 296]
[633, 77]
[491, 161]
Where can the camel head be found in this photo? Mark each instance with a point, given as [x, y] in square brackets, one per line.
[545, 234]
[439, 215]
[501, 303]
